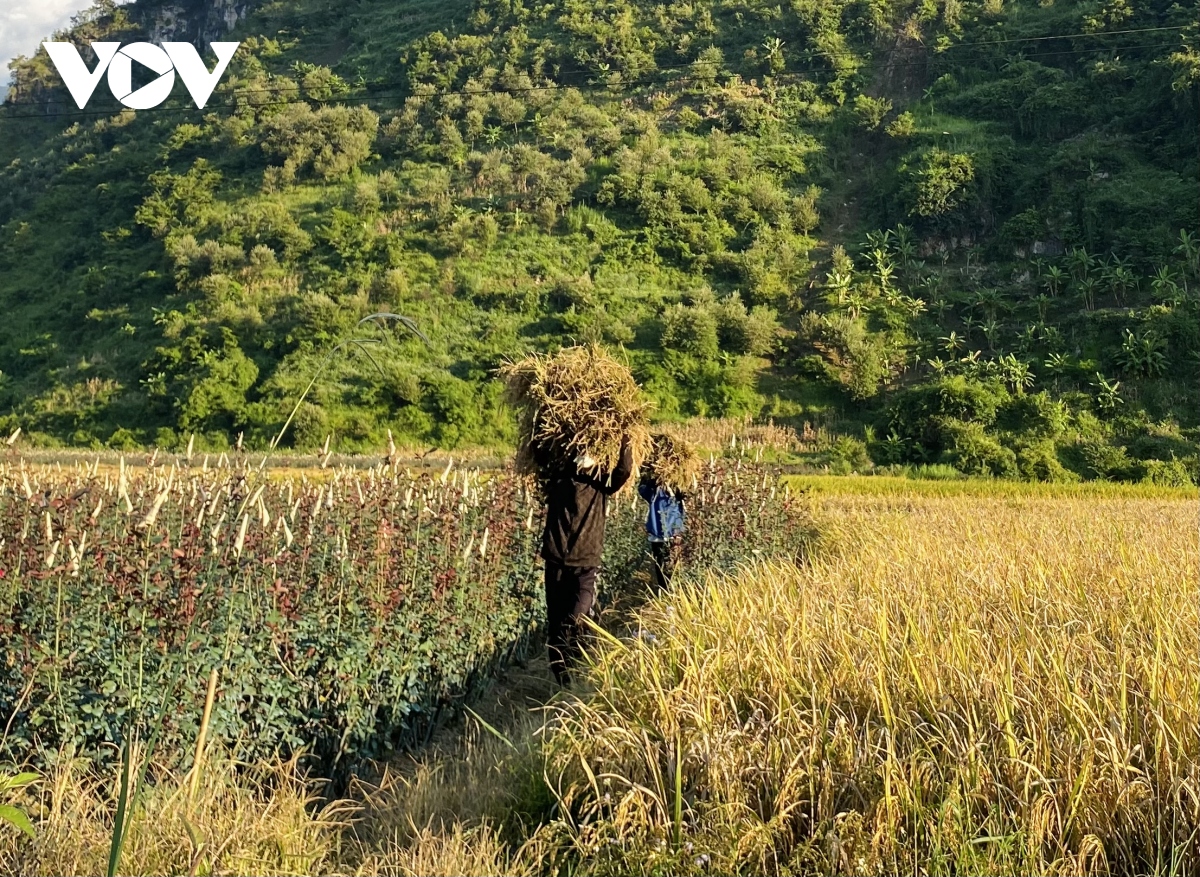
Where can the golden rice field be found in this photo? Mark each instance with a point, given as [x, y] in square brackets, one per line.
[950, 686]
[966, 683]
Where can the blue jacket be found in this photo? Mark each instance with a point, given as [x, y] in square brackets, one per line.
[664, 519]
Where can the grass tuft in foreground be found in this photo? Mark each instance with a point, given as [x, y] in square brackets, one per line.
[239, 820]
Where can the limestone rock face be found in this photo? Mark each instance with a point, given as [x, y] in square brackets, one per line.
[199, 22]
[192, 21]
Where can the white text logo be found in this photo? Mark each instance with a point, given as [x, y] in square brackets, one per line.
[165, 60]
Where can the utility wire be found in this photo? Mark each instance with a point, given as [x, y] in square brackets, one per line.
[819, 53]
[382, 96]
[958, 45]
[1070, 36]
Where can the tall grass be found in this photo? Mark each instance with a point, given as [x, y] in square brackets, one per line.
[464, 807]
[241, 820]
[951, 687]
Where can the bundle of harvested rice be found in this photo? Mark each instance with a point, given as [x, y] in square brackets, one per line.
[673, 463]
[578, 402]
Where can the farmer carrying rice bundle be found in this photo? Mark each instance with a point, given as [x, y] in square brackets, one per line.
[669, 473]
[582, 432]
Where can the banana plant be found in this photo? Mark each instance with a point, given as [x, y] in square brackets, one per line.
[1017, 374]
[1058, 365]
[1055, 277]
[1165, 289]
[1189, 249]
[885, 273]
[1027, 338]
[1087, 289]
[839, 284]
[1120, 281]
[1142, 355]
[990, 330]
[1080, 263]
[952, 343]
[774, 49]
[856, 303]
[1108, 395]
[989, 301]
[1050, 336]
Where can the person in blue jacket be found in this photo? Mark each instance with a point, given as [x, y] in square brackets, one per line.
[664, 526]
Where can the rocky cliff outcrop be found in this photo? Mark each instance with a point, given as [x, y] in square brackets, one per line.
[193, 21]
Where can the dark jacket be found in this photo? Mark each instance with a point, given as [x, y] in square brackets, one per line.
[575, 506]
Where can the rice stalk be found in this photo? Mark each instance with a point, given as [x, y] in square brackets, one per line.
[579, 402]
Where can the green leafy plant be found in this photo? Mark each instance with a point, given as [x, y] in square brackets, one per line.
[10, 813]
[1142, 355]
[346, 648]
[1108, 393]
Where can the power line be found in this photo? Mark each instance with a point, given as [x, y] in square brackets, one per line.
[384, 95]
[820, 53]
[850, 53]
[1072, 36]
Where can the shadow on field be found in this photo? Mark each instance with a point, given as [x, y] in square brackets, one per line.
[483, 770]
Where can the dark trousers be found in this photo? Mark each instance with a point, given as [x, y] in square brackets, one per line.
[570, 597]
[660, 555]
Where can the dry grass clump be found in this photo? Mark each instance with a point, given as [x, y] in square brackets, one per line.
[673, 462]
[575, 402]
[952, 686]
[457, 849]
[463, 806]
[473, 784]
[247, 821]
[722, 434]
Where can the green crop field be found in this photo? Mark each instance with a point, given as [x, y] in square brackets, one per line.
[343, 615]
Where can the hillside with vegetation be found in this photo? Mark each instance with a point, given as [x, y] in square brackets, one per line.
[949, 232]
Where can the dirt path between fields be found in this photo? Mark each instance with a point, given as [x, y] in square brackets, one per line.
[517, 691]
